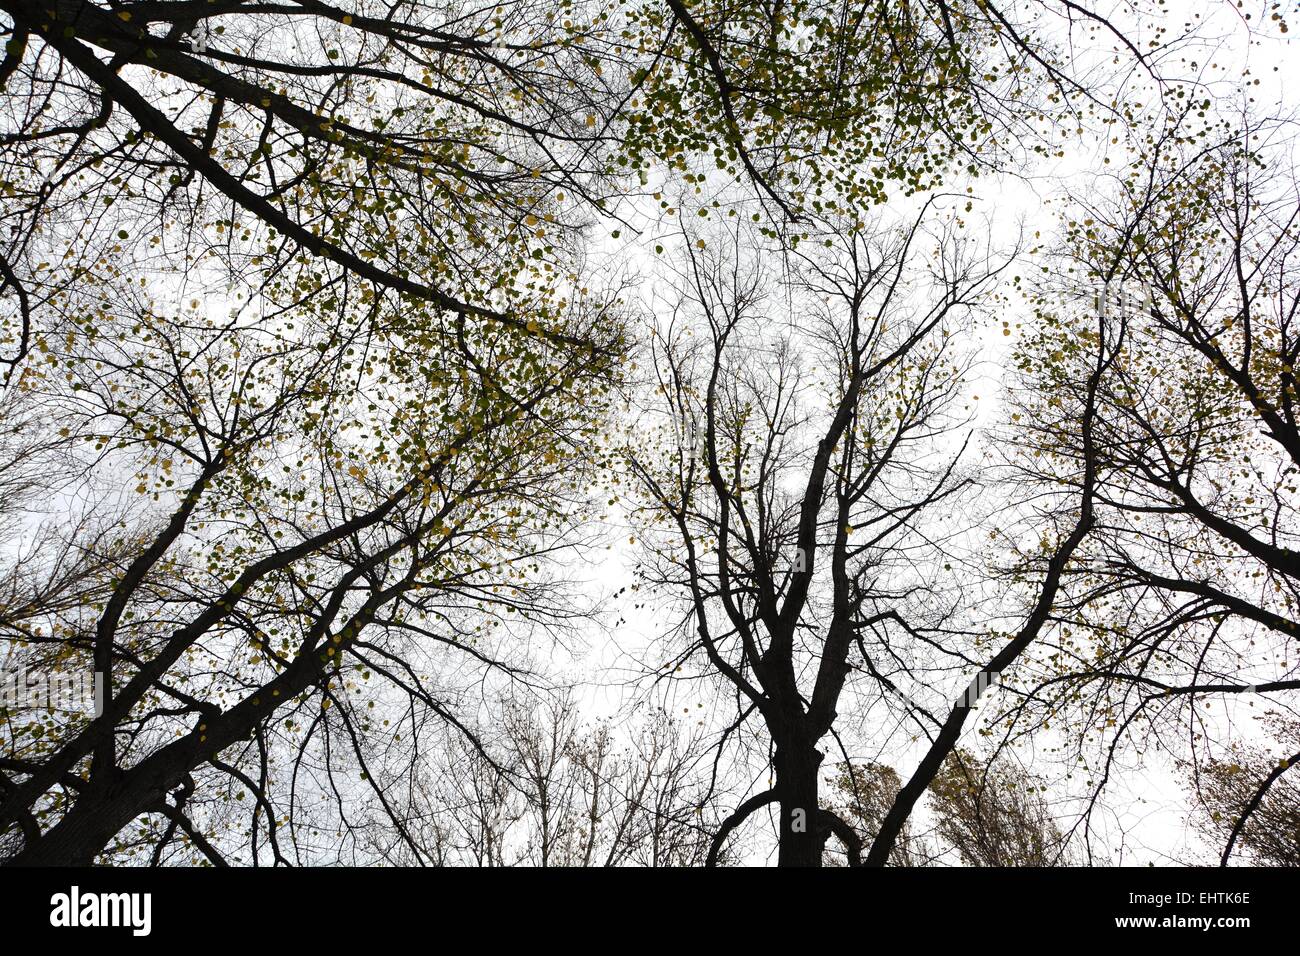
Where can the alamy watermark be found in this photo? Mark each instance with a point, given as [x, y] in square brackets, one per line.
[982, 682]
[23, 688]
[1120, 297]
[78, 908]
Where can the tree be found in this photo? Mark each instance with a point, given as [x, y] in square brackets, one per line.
[993, 813]
[863, 794]
[1248, 803]
[552, 791]
[340, 510]
[298, 149]
[985, 813]
[800, 516]
[426, 152]
[1183, 600]
[308, 288]
[587, 801]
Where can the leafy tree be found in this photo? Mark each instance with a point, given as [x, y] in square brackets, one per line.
[994, 813]
[863, 794]
[342, 507]
[985, 813]
[1183, 599]
[1248, 803]
[423, 151]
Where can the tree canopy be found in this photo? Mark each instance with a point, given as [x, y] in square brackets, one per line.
[385, 388]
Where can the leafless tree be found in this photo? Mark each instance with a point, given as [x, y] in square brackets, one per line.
[557, 791]
[798, 509]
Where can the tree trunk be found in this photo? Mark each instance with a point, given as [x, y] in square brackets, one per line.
[101, 812]
[76, 839]
[798, 766]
